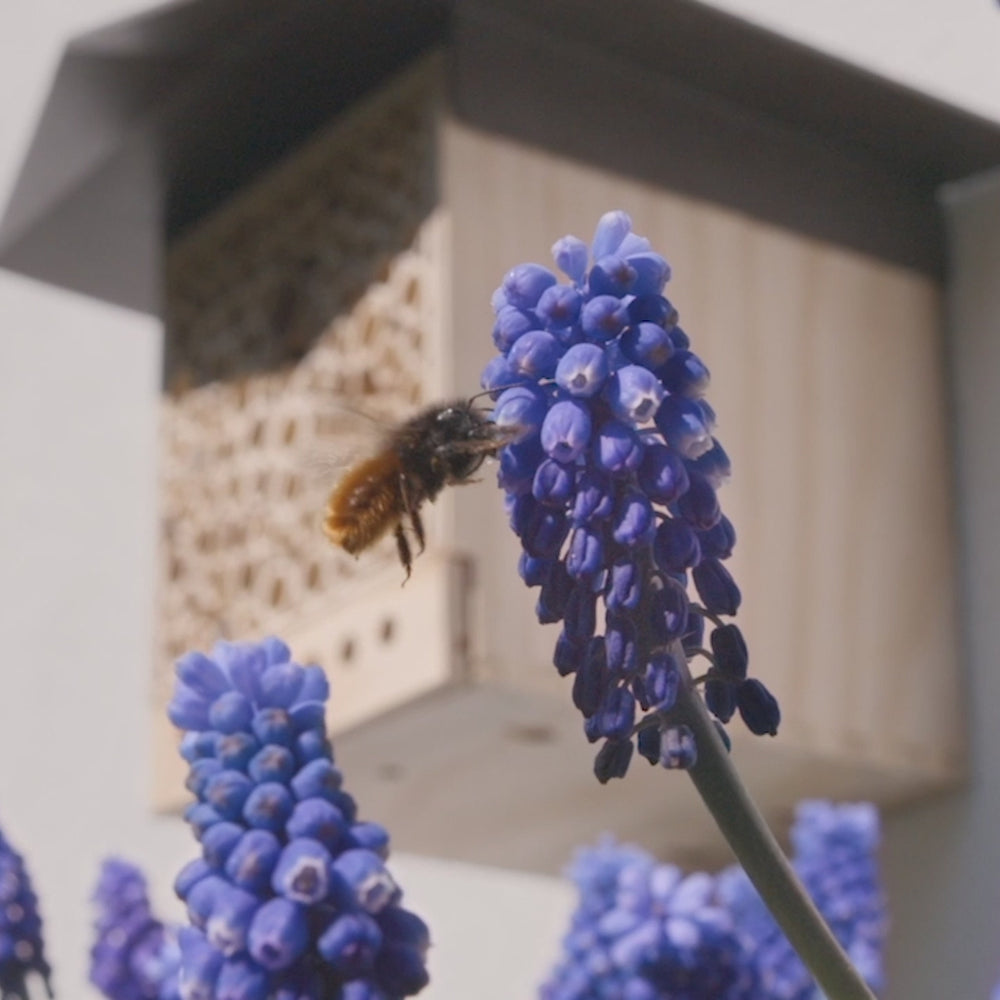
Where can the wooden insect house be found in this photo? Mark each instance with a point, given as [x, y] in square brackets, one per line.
[337, 197]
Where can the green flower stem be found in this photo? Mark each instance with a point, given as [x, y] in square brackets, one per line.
[762, 859]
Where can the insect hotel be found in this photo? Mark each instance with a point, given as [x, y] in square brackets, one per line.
[319, 205]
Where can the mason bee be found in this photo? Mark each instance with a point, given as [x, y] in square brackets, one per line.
[443, 445]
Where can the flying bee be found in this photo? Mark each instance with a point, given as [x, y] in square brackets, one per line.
[443, 445]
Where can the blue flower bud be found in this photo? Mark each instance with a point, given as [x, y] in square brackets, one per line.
[634, 394]
[274, 650]
[559, 307]
[364, 872]
[235, 750]
[546, 532]
[678, 748]
[318, 778]
[553, 483]
[197, 745]
[653, 309]
[611, 231]
[511, 324]
[632, 523]
[569, 653]
[716, 587]
[533, 570]
[187, 708]
[230, 712]
[682, 422]
[201, 816]
[586, 553]
[519, 463]
[651, 273]
[719, 540]
[660, 681]
[700, 506]
[616, 713]
[582, 370]
[279, 934]
[612, 760]
[268, 806]
[272, 763]
[678, 337]
[536, 353]
[226, 792]
[244, 663]
[227, 925]
[400, 970]
[524, 284]
[624, 586]
[350, 944]
[617, 448]
[403, 927]
[595, 498]
[648, 743]
[730, 651]
[714, 465]
[280, 685]
[667, 613]
[685, 374]
[675, 546]
[252, 860]
[612, 275]
[273, 725]
[318, 819]
[588, 684]
[219, 841]
[241, 979]
[306, 715]
[603, 317]
[190, 875]
[200, 898]
[199, 968]
[694, 635]
[571, 255]
[647, 344]
[303, 871]
[580, 613]
[311, 745]
[554, 595]
[520, 410]
[758, 708]
[199, 773]
[621, 646]
[202, 675]
[372, 837]
[498, 375]
[566, 430]
[662, 475]
[720, 698]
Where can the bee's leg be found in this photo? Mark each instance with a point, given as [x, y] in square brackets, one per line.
[403, 547]
[418, 527]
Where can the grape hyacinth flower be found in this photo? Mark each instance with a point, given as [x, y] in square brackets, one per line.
[611, 485]
[644, 931]
[22, 952]
[835, 856]
[291, 898]
[135, 956]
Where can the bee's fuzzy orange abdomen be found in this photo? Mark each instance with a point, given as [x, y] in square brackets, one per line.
[366, 503]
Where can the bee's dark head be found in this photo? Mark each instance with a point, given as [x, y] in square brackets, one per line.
[465, 437]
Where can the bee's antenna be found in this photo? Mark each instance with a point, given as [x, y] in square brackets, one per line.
[501, 388]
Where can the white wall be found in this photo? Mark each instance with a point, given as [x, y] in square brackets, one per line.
[78, 383]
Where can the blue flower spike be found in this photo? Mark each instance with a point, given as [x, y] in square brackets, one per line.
[291, 898]
[611, 487]
[135, 956]
[22, 951]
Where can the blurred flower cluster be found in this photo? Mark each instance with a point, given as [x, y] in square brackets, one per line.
[611, 487]
[644, 931]
[291, 898]
[134, 956]
[21, 950]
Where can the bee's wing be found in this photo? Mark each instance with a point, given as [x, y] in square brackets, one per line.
[343, 435]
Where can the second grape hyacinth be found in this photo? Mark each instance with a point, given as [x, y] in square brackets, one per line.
[611, 485]
[291, 898]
